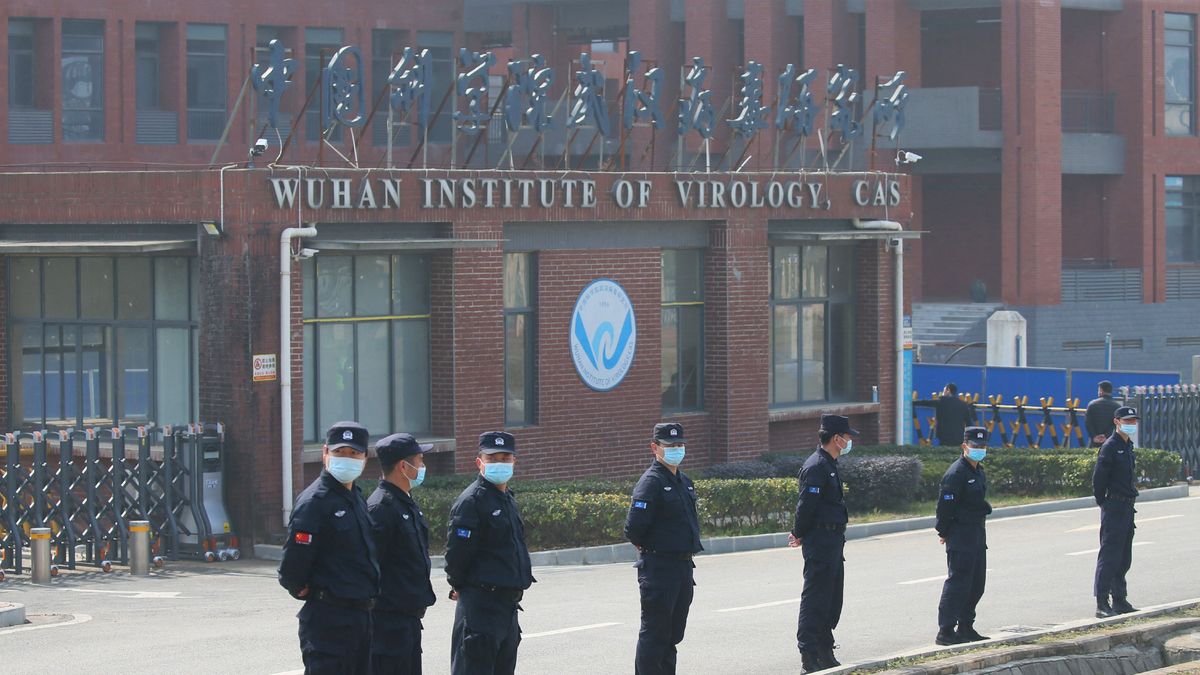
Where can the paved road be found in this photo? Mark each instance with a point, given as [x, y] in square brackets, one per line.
[233, 617]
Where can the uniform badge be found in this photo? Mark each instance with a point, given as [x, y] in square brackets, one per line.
[304, 538]
[496, 512]
[405, 516]
[667, 488]
[691, 488]
[971, 481]
[339, 514]
[462, 532]
[639, 504]
[347, 435]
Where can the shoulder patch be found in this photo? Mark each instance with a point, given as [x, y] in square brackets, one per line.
[462, 532]
[813, 489]
[948, 497]
[640, 504]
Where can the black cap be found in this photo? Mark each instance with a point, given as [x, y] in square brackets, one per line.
[1126, 412]
[347, 435]
[976, 435]
[396, 447]
[837, 424]
[668, 432]
[497, 441]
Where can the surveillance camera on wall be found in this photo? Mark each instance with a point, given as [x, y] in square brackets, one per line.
[306, 253]
[906, 157]
[260, 146]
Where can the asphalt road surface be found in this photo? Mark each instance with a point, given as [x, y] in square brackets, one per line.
[234, 618]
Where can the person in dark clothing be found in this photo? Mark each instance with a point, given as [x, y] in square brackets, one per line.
[487, 564]
[402, 541]
[1114, 484]
[663, 524]
[962, 508]
[952, 415]
[1099, 417]
[820, 530]
[329, 560]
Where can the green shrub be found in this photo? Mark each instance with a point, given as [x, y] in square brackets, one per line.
[751, 469]
[883, 483]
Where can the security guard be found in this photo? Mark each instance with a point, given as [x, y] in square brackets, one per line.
[962, 509]
[329, 559]
[820, 528]
[1114, 483]
[663, 525]
[402, 540]
[1099, 416]
[487, 564]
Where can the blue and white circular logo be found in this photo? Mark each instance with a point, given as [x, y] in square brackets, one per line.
[603, 334]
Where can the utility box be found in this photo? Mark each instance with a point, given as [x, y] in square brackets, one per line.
[1006, 339]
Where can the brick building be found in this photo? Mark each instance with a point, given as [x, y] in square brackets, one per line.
[443, 300]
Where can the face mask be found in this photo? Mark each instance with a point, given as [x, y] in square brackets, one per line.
[416, 482]
[497, 473]
[345, 469]
[1129, 429]
[849, 447]
[977, 454]
[674, 456]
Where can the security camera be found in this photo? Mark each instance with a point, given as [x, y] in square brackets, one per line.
[894, 243]
[906, 157]
[306, 253]
[260, 146]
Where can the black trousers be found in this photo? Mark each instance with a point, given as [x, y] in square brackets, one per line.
[1116, 548]
[824, 583]
[486, 634]
[967, 574]
[334, 640]
[395, 644]
[666, 586]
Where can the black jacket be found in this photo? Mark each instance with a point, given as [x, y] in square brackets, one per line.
[822, 500]
[962, 507]
[1115, 474]
[485, 544]
[402, 541]
[662, 516]
[329, 545]
[1099, 417]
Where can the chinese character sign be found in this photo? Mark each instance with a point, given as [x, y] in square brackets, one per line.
[472, 83]
[642, 103]
[272, 79]
[589, 97]
[841, 93]
[409, 81]
[344, 95]
[525, 101]
[797, 107]
[752, 114]
[889, 106]
[696, 111]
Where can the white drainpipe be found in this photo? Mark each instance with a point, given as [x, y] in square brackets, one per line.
[285, 358]
[901, 394]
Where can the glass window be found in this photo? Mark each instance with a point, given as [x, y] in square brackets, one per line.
[812, 333]
[82, 80]
[520, 339]
[441, 75]
[84, 362]
[22, 80]
[1179, 73]
[206, 81]
[385, 48]
[1183, 219]
[682, 330]
[146, 55]
[366, 343]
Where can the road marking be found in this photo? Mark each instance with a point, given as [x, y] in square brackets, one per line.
[76, 619]
[1096, 550]
[574, 629]
[776, 603]
[940, 577]
[1139, 521]
[137, 595]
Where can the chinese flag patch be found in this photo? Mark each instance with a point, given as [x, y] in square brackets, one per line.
[304, 538]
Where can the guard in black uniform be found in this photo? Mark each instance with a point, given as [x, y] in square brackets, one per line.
[820, 528]
[962, 509]
[952, 414]
[487, 564]
[1099, 417]
[329, 559]
[402, 540]
[1114, 484]
[663, 525]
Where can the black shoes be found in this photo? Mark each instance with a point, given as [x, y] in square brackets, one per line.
[946, 638]
[1103, 609]
[1121, 606]
[969, 634]
[810, 662]
[825, 656]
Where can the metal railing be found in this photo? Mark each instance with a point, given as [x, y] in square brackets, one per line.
[991, 112]
[1170, 420]
[1088, 112]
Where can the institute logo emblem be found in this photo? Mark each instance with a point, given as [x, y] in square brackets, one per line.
[603, 334]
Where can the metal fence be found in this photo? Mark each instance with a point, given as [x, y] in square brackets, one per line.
[87, 485]
[1170, 420]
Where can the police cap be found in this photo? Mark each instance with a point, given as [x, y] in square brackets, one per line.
[1126, 412]
[497, 441]
[391, 449]
[975, 435]
[837, 424]
[668, 432]
[347, 435]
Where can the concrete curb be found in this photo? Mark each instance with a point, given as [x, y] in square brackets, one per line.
[11, 614]
[1016, 644]
[626, 553]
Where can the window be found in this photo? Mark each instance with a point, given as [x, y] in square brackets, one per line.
[366, 343]
[320, 44]
[146, 52]
[1179, 70]
[385, 52]
[82, 80]
[682, 330]
[441, 79]
[102, 341]
[812, 324]
[1183, 219]
[21, 79]
[206, 81]
[520, 338]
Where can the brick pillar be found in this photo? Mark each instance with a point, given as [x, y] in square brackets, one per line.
[1031, 165]
[660, 40]
[737, 338]
[534, 31]
[875, 320]
[830, 36]
[771, 39]
[709, 33]
[478, 339]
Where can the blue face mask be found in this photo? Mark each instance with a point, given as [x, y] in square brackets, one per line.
[498, 473]
[849, 447]
[977, 454]
[416, 482]
[1129, 429]
[345, 469]
[674, 456]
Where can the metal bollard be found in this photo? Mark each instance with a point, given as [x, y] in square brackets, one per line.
[139, 548]
[39, 541]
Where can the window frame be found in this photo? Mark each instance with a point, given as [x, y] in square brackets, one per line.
[95, 111]
[674, 306]
[529, 347]
[1190, 45]
[1187, 195]
[190, 52]
[32, 53]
